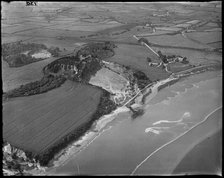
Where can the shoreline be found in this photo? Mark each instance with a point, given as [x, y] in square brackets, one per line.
[98, 127]
[73, 156]
[91, 135]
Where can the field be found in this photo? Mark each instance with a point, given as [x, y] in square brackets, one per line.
[135, 57]
[110, 80]
[194, 57]
[174, 40]
[68, 44]
[14, 77]
[206, 37]
[216, 44]
[177, 67]
[46, 123]
[47, 118]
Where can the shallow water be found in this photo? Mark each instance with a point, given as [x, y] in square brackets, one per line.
[127, 142]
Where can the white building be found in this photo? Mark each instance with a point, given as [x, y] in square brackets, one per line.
[7, 149]
[179, 59]
[75, 69]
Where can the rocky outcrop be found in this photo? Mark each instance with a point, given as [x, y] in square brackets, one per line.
[16, 162]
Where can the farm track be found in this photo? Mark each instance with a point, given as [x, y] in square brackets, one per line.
[214, 42]
[197, 67]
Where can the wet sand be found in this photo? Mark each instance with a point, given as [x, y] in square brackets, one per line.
[164, 160]
[207, 152]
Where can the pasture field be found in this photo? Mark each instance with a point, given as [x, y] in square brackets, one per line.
[82, 26]
[177, 67]
[110, 80]
[168, 28]
[68, 44]
[19, 28]
[219, 30]
[9, 38]
[135, 57]
[175, 40]
[216, 44]
[206, 37]
[157, 33]
[211, 24]
[16, 76]
[48, 117]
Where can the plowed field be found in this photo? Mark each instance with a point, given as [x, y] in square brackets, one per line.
[36, 122]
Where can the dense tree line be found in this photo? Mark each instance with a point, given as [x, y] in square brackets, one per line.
[19, 47]
[90, 68]
[45, 84]
[162, 57]
[55, 51]
[168, 84]
[98, 50]
[12, 53]
[141, 79]
[144, 40]
[55, 66]
[86, 67]
[19, 60]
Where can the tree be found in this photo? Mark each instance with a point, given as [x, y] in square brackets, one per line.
[149, 59]
[164, 59]
[143, 40]
[159, 53]
[185, 61]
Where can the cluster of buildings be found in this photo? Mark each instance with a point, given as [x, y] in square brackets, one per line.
[161, 15]
[168, 61]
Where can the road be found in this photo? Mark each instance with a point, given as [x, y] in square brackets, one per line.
[197, 67]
